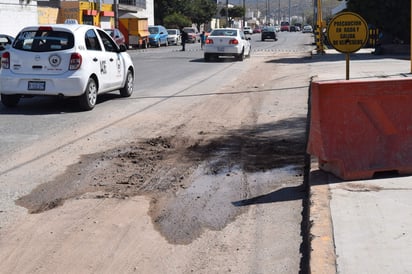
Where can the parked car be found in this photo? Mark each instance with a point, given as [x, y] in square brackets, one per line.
[64, 60]
[193, 35]
[117, 36]
[247, 30]
[257, 30]
[174, 37]
[158, 36]
[268, 33]
[284, 26]
[307, 29]
[227, 42]
[277, 28]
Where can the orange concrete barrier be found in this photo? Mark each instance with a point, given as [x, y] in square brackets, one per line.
[360, 127]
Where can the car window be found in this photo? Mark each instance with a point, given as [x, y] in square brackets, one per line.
[223, 32]
[44, 40]
[153, 30]
[242, 35]
[108, 43]
[92, 42]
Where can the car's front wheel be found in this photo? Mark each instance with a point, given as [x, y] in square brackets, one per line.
[10, 100]
[88, 99]
[127, 89]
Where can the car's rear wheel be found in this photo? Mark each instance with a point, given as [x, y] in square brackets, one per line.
[127, 90]
[10, 100]
[207, 57]
[241, 56]
[88, 99]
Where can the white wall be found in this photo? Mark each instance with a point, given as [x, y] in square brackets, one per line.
[148, 12]
[14, 15]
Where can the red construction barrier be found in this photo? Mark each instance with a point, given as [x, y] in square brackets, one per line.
[360, 127]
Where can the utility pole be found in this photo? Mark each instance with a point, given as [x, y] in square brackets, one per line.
[319, 23]
[244, 14]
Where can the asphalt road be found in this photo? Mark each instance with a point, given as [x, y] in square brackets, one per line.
[177, 97]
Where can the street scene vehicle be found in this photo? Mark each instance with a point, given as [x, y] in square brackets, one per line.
[158, 36]
[174, 37]
[247, 30]
[257, 30]
[268, 33]
[193, 35]
[135, 29]
[227, 42]
[117, 36]
[307, 29]
[64, 60]
[284, 26]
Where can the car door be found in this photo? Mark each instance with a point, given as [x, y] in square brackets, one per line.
[96, 59]
[113, 68]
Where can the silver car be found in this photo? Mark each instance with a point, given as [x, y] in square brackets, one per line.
[174, 37]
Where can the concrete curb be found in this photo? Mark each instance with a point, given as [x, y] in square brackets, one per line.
[322, 247]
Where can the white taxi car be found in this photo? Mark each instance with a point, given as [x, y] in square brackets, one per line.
[64, 60]
[227, 42]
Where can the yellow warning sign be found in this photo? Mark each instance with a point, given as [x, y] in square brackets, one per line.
[347, 32]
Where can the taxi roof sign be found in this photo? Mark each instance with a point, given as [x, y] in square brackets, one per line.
[347, 32]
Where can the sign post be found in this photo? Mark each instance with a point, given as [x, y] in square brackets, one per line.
[347, 32]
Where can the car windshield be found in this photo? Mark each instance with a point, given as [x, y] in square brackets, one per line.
[153, 30]
[44, 40]
[269, 29]
[189, 30]
[172, 32]
[224, 32]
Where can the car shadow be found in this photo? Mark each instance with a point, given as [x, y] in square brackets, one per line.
[45, 105]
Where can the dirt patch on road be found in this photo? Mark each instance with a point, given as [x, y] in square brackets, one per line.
[165, 167]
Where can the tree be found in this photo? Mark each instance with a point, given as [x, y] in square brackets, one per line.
[234, 12]
[393, 17]
[176, 21]
[198, 11]
[203, 11]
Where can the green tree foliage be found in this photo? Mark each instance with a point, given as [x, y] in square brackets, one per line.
[176, 21]
[391, 16]
[198, 11]
[233, 12]
[203, 11]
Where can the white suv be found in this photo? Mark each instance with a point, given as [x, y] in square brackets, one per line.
[64, 60]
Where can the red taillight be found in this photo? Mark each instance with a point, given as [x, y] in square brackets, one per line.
[233, 42]
[75, 61]
[209, 41]
[5, 60]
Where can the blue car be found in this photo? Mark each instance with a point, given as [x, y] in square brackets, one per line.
[158, 36]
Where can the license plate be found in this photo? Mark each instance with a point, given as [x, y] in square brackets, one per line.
[37, 85]
[220, 49]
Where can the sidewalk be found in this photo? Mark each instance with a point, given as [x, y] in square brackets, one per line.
[362, 226]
